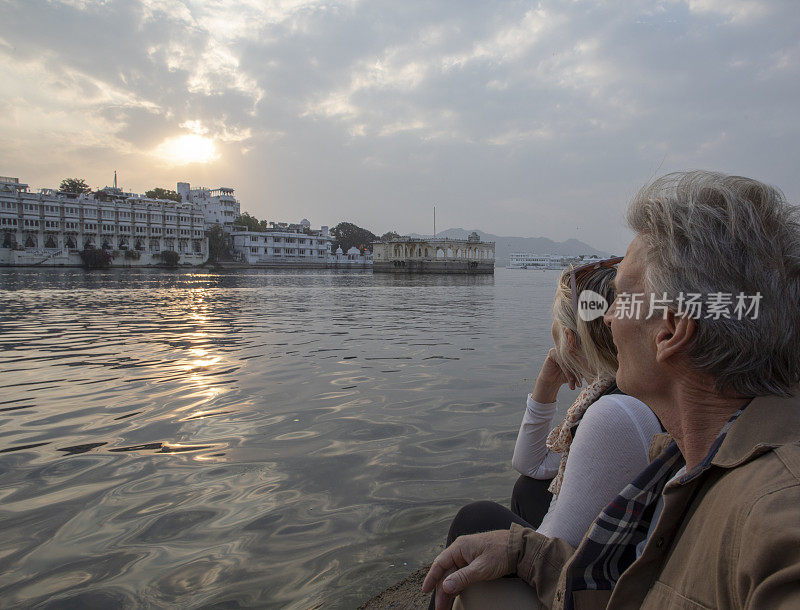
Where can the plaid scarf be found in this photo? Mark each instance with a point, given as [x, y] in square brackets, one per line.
[610, 545]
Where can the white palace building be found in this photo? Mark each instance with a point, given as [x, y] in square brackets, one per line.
[51, 227]
[283, 244]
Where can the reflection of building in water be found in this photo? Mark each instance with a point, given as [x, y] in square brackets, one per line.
[407, 255]
[51, 227]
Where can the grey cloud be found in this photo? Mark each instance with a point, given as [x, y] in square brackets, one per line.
[544, 115]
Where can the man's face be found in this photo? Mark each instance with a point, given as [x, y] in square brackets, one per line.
[634, 337]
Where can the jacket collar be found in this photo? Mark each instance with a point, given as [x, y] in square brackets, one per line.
[767, 422]
[658, 444]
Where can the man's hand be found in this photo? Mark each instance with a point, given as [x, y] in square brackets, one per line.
[468, 560]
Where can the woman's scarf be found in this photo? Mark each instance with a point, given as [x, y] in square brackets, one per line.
[560, 437]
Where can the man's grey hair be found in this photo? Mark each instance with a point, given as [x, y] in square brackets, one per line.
[709, 233]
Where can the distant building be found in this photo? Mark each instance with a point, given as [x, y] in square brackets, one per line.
[282, 245]
[219, 205]
[529, 260]
[51, 227]
[407, 255]
[352, 259]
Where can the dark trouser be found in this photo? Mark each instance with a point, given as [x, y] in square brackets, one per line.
[529, 503]
[531, 499]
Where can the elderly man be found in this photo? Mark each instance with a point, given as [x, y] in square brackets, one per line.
[707, 328]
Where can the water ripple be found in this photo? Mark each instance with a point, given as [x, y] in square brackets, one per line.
[273, 439]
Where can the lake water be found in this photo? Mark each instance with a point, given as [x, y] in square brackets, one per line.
[280, 439]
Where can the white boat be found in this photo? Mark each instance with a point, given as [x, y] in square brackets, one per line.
[528, 260]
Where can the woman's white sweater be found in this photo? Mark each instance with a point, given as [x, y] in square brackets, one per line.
[610, 448]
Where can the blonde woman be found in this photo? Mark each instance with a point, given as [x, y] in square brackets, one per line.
[570, 472]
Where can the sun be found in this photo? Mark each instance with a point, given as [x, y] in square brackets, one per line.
[186, 149]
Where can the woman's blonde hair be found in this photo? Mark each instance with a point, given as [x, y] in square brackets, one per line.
[596, 344]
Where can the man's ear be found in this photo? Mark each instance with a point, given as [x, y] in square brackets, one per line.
[674, 335]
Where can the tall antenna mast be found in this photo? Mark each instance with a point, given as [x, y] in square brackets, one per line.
[434, 222]
[115, 178]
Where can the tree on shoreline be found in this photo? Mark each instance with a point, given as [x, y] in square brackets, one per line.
[220, 244]
[162, 193]
[251, 222]
[74, 185]
[92, 258]
[346, 235]
[170, 258]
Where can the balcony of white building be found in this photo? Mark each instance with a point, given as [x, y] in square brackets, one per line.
[50, 211]
[8, 212]
[70, 211]
[30, 210]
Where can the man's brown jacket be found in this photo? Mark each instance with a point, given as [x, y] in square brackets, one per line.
[729, 538]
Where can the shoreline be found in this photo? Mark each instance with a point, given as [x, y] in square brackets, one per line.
[404, 595]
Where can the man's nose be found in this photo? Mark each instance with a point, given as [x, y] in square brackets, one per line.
[609, 315]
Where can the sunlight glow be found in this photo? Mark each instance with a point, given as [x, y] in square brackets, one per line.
[188, 148]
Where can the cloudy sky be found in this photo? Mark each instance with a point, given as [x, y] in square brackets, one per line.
[518, 118]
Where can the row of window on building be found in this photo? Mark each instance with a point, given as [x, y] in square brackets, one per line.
[289, 251]
[56, 225]
[109, 214]
[278, 240]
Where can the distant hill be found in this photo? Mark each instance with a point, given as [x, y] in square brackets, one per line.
[505, 245]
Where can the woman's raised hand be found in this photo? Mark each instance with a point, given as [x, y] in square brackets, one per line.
[552, 376]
